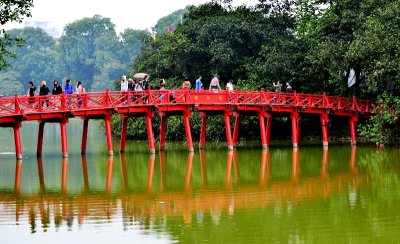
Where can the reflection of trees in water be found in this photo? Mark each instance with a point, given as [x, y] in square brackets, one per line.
[203, 189]
[384, 172]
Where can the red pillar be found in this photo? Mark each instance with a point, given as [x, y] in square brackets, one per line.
[17, 140]
[163, 131]
[324, 125]
[40, 139]
[353, 122]
[229, 140]
[268, 129]
[64, 141]
[236, 129]
[150, 135]
[84, 135]
[188, 131]
[123, 134]
[107, 121]
[203, 130]
[262, 130]
[295, 128]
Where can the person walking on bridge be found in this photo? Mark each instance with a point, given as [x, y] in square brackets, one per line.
[68, 89]
[44, 91]
[214, 84]
[57, 90]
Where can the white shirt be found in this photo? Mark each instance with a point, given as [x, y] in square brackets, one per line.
[124, 85]
[229, 86]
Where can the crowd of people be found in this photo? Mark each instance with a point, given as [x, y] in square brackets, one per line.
[57, 89]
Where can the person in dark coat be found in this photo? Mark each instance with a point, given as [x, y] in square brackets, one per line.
[57, 90]
[44, 91]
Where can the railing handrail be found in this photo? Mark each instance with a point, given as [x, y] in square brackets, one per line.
[20, 105]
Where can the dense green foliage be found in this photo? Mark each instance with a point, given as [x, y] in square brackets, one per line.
[89, 50]
[173, 20]
[11, 11]
[313, 44]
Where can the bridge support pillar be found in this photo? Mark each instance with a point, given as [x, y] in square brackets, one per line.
[236, 129]
[296, 122]
[325, 129]
[202, 143]
[64, 141]
[17, 140]
[107, 121]
[123, 134]
[163, 131]
[261, 118]
[186, 121]
[268, 129]
[84, 135]
[150, 135]
[40, 138]
[352, 123]
[229, 140]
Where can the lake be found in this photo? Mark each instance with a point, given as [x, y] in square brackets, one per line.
[282, 195]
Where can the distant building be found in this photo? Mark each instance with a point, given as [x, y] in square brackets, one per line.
[45, 25]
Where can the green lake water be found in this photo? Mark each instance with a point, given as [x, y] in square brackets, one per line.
[310, 195]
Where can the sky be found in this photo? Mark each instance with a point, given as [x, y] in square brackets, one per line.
[135, 14]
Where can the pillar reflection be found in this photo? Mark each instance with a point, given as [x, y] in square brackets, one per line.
[124, 172]
[64, 175]
[150, 174]
[85, 173]
[188, 171]
[18, 171]
[265, 171]
[110, 164]
[324, 162]
[295, 164]
[203, 168]
[353, 162]
[163, 171]
[39, 162]
[228, 169]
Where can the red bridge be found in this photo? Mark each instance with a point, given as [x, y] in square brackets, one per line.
[58, 109]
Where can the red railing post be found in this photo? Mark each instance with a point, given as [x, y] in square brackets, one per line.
[63, 101]
[106, 96]
[17, 108]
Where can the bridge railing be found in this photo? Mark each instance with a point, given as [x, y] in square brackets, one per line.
[20, 105]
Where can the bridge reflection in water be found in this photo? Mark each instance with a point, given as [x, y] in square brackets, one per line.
[190, 190]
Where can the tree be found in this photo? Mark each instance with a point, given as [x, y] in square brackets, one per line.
[10, 11]
[78, 45]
